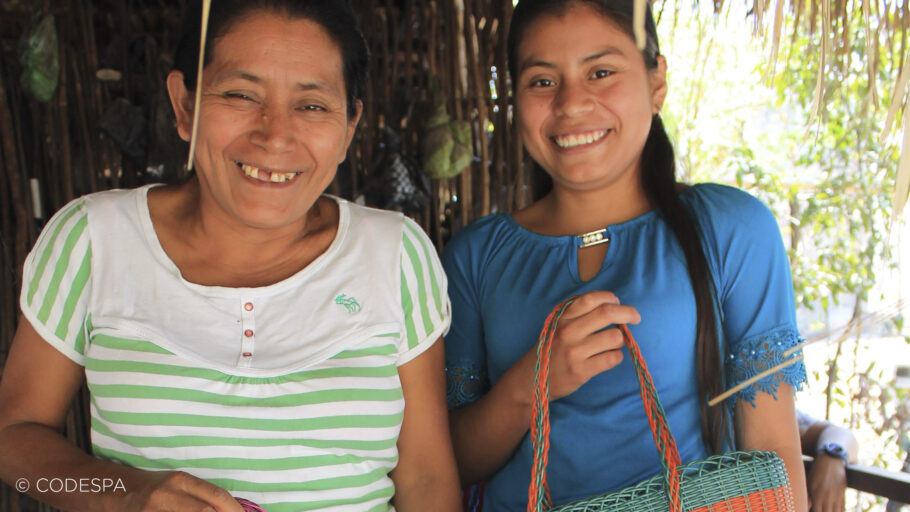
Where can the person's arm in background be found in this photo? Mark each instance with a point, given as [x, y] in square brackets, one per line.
[827, 477]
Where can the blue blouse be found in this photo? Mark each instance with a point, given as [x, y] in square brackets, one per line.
[504, 280]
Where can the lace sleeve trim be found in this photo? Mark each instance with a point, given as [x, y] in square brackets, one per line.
[754, 355]
[465, 384]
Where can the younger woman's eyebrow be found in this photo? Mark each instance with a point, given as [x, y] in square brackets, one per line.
[611, 50]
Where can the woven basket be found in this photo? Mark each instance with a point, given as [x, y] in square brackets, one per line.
[735, 481]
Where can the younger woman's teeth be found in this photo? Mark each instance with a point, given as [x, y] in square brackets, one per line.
[571, 141]
[264, 175]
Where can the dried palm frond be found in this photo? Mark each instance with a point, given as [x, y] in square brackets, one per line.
[902, 182]
[883, 21]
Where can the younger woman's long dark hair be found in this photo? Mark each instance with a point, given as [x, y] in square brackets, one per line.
[660, 186]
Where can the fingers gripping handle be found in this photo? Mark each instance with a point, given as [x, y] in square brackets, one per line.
[538, 491]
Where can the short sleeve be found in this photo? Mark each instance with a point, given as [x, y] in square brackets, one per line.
[55, 281]
[466, 374]
[756, 296]
[424, 299]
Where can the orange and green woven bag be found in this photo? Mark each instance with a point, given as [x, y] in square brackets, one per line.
[736, 481]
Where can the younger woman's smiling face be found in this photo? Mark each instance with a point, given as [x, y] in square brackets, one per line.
[274, 125]
[585, 99]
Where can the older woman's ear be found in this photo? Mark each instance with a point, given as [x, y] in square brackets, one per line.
[352, 128]
[182, 102]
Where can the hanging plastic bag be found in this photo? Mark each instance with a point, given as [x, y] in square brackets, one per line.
[445, 144]
[39, 55]
[395, 183]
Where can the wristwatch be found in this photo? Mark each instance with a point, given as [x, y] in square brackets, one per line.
[833, 449]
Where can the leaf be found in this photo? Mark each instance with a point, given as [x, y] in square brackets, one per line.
[897, 98]
[775, 38]
[822, 64]
[902, 181]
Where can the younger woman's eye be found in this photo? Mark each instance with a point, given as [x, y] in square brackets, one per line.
[602, 73]
[542, 82]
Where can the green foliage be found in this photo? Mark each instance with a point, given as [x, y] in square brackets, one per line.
[838, 193]
[826, 175]
[40, 59]
[842, 207]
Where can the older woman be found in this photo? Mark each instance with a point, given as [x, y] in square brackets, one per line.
[240, 333]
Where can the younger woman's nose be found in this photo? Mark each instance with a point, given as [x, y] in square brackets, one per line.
[572, 99]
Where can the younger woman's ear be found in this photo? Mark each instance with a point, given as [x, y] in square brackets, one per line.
[658, 82]
[182, 102]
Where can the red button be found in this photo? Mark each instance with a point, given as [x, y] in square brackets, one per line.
[247, 354]
[248, 333]
[248, 306]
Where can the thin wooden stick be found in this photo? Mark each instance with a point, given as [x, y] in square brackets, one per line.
[638, 23]
[748, 382]
[206, 6]
[848, 329]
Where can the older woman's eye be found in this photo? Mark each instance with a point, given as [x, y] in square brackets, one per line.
[237, 96]
[312, 107]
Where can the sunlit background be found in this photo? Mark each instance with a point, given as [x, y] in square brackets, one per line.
[829, 178]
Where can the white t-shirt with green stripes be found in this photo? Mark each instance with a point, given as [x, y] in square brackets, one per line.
[287, 395]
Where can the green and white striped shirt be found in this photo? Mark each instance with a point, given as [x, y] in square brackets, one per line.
[287, 395]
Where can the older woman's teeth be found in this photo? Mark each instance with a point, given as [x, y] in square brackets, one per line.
[271, 176]
[571, 141]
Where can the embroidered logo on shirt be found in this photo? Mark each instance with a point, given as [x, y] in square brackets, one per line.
[349, 303]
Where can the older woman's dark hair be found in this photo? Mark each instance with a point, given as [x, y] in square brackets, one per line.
[333, 15]
[659, 182]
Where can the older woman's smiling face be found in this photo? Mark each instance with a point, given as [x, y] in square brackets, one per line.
[274, 124]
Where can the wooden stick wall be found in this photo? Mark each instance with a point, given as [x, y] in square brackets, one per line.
[460, 43]
[109, 123]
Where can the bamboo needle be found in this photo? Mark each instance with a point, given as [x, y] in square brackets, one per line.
[851, 327]
[206, 6]
[638, 23]
[770, 371]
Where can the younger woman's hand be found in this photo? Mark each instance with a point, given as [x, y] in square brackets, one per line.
[582, 347]
[174, 491]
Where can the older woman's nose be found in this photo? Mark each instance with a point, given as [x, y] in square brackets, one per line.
[275, 131]
[572, 99]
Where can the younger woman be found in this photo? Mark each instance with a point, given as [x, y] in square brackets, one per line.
[699, 272]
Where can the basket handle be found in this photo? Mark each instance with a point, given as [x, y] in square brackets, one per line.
[538, 491]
